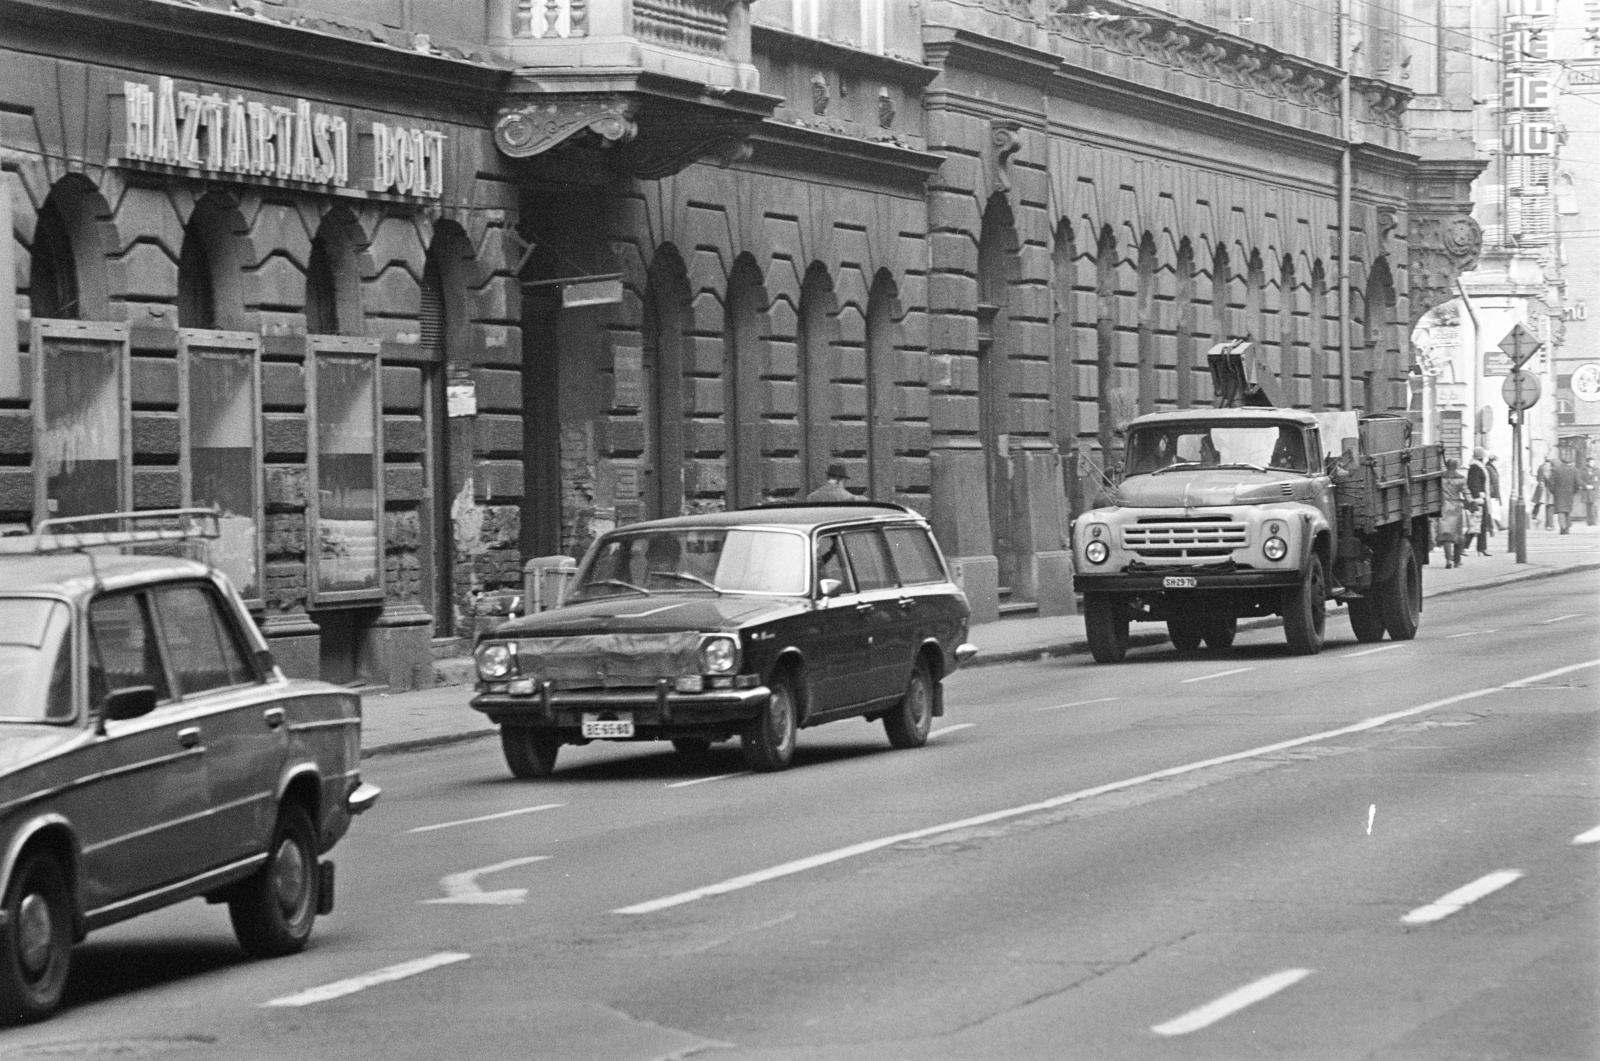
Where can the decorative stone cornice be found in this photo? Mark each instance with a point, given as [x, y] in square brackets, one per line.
[1443, 241]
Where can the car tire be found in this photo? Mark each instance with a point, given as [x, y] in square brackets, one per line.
[1400, 599]
[1218, 631]
[768, 739]
[274, 911]
[530, 753]
[1185, 633]
[1366, 620]
[1305, 613]
[1106, 624]
[909, 722]
[37, 940]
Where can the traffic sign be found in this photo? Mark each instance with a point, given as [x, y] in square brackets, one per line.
[1520, 345]
[1521, 390]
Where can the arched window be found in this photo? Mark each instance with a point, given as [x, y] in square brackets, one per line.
[53, 274]
[333, 278]
[743, 356]
[882, 306]
[816, 371]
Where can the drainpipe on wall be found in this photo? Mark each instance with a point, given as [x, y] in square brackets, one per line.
[10, 356]
[1346, 55]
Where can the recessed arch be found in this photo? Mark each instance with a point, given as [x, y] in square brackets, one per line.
[66, 260]
[744, 357]
[210, 279]
[334, 271]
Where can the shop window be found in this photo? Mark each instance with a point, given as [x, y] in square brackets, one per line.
[346, 496]
[82, 424]
[220, 380]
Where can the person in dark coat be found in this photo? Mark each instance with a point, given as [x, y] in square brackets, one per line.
[1491, 516]
[1453, 516]
[834, 488]
[1478, 491]
[1564, 483]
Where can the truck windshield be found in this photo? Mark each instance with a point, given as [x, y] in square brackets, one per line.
[706, 560]
[1156, 447]
[35, 660]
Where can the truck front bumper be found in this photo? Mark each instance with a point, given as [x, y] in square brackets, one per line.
[1154, 580]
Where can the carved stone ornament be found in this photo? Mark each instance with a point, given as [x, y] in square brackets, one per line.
[885, 109]
[1441, 248]
[820, 97]
[535, 128]
[1003, 143]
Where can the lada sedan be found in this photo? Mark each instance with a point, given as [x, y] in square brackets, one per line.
[151, 751]
[752, 624]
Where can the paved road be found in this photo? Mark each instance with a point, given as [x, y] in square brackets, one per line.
[1382, 851]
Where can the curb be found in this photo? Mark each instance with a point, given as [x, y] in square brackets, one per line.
[1074, 646]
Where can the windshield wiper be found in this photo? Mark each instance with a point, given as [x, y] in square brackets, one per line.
[686, 576]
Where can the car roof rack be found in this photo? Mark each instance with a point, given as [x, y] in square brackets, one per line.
[126, 528]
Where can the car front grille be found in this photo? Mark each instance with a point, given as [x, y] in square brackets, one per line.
[1180, 538]
[611, 660]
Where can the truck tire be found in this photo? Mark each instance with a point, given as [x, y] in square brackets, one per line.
[1400, 599]
[1106, 624]
[1185, 633]
[1366, 620]
[1219, 631]
[1305, 614]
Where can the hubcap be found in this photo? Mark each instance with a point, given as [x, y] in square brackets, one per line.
[779, 713]
[35, 933]
[289, 878]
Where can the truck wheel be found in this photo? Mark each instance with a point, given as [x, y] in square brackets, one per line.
[36, 936]
[1185, 634]
[1366, 620]
[1107, 626]
[1219, 631]
[530, 753]
[1400, 599]
[1305, 612]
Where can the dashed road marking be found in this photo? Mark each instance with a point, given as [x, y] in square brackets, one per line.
[1461, 898]
[946, 731]
[485, 818]
[360, 983]
[1590, 837]
[1079, 703]
[1231, 1003]
[1559, 618]
[1218, 674]
[703, 780]
[1370, 651]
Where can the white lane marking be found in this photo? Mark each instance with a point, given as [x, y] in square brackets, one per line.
[463, 887]
[1079, 703]
[1231, 1003]
[485, 818]
[867, 846]
[1469, 633]
[1372, 814]
[1370, 651]
[1462, 897]
[946, 731]
[1590, 837]
[372, 979]
[1218, 674]
[703, 780]
[1559, 618]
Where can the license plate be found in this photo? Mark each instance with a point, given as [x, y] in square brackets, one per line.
[1179, 582]
[610, 725]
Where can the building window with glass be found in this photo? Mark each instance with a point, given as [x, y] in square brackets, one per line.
[346, 497]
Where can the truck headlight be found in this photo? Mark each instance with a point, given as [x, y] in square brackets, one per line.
[1096, 552]
[497, 660]
[719, 655]
[1275, 548]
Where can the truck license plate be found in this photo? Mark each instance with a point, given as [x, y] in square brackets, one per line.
[1179, 582]
[612, 724]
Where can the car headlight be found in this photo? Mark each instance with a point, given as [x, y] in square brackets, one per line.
[497, 660]
[1096, 552]
[719, 655]
[1275, 548]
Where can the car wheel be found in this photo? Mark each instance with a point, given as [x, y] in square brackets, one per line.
[1305, 613]
[1366, 620]
[1106, 625]
[1400, 600]
[909, 721]
[530, 753]
[768, 739]
[1185, 634]
[37, 939]
[273, 912]
[1219, 631]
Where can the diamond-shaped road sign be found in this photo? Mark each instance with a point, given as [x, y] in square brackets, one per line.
[1520, 345]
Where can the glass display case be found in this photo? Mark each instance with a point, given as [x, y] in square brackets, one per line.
[346, 495]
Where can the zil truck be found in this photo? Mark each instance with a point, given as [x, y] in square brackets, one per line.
[1249, 509]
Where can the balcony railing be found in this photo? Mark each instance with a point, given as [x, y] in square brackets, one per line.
[695, 26]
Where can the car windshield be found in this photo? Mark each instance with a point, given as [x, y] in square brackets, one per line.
[698, 559]
[1155, 447]
[35, 663]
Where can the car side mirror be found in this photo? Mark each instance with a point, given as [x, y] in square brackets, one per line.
[132, 701]
[830, 587]
[266, 662]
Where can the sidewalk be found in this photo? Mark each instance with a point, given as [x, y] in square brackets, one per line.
[407, 721]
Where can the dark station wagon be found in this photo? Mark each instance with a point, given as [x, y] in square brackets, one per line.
[151, 751]
[752, 623]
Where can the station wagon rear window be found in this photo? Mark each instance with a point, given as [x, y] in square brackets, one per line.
[35, 663]
[709, 559]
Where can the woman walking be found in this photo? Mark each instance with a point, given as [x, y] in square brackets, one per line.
[1453, 517]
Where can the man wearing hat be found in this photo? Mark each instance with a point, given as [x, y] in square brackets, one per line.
[833, 489]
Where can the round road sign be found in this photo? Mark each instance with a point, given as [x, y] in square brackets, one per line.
[1521, 390]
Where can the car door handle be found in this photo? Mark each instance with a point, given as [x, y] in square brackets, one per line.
[273, 717]
[864, 606]
[189, 736]
[906, 602]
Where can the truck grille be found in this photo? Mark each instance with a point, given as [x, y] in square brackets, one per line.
[1183, 539]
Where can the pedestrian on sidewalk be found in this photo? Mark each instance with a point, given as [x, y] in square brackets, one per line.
[1478, 491]
[1453, 516]
[1494, 517]
[1541, 493]
[1589, 484]
[1564, 484]
[834, 488]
